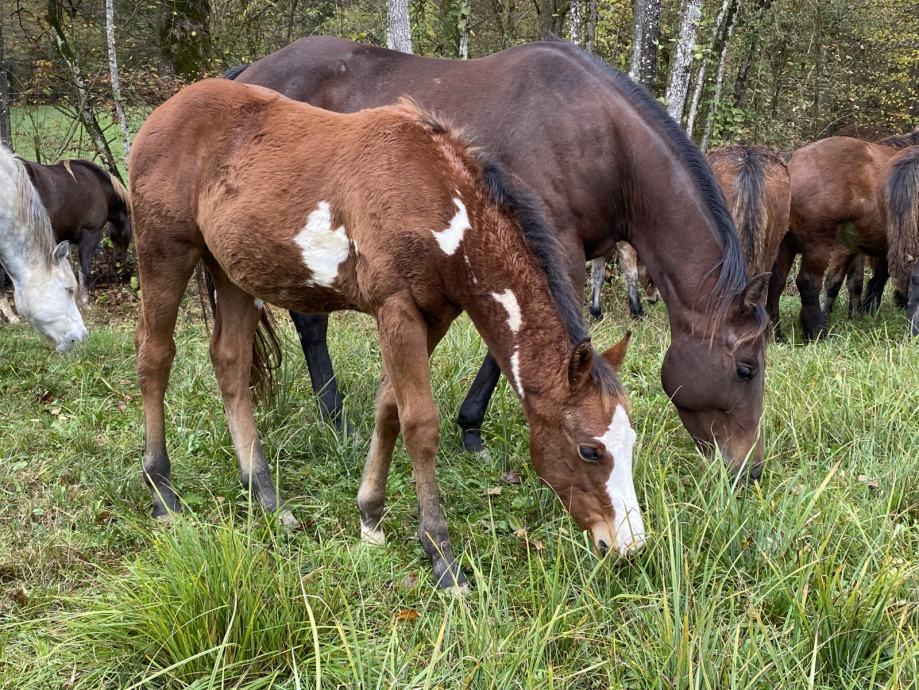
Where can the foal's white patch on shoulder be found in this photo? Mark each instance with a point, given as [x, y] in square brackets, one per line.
[619, 441]
[515, 372]
[324, 249]
[450, 238]
[508, 300]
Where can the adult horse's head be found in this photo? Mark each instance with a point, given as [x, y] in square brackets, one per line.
[119, 218]
[714, 375]
[583, 450]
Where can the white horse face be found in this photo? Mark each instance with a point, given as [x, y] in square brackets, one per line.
[46, 300]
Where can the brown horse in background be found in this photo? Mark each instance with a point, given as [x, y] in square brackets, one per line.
[81, 198]
[634, 272]
[391, 213]
[608, 164]
[899, 204]
[834, 205]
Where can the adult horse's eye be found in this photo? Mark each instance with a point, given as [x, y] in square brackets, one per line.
[746, 372]
[589, 453]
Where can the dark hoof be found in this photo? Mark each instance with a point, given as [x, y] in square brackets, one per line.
[636, 311]
[456, 582]
[595, 314]
[472, 441]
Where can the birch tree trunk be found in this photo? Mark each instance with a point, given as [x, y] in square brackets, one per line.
[574, 21]
[592, 26]
[463, 26]
[113, 73]
[719, 84]
[6, 134]
[725, 17]
[645, 36]
[84, 107]
[399, 32]
[680, 64]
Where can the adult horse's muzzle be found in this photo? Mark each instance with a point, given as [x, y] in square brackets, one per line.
[75, 337]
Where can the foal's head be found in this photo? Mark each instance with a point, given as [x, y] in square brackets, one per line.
[583, 450]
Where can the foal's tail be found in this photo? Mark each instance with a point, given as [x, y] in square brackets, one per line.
[750, 212]
[901, 199]
[266, 346]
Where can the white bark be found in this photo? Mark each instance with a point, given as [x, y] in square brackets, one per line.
[645, 36]
[574, 22]
[678, 83]
[6, 137]
[399, 31]
[464, 31]
[700, 77]
[113, 73]
[719, 84]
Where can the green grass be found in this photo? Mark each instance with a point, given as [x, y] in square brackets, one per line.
[808, 580]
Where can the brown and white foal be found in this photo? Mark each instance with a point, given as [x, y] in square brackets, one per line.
[387, 212]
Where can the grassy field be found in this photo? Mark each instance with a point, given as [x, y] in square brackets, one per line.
[807, 580]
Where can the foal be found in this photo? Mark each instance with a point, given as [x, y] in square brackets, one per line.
[387, 212]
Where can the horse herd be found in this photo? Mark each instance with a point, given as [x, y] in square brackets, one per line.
[320, 178]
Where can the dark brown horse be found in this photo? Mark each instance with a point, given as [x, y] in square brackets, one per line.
[834, 206]
[899, 203]
[608, 164]
[757, 188]
[81, 198]
[387, 212]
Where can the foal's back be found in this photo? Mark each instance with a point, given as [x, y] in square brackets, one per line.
[262, 180]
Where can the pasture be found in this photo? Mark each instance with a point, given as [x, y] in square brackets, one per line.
[808, 579]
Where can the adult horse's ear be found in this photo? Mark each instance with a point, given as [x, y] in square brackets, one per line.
[616, 353]
[754, 295]
[579, 367]
[60, 251]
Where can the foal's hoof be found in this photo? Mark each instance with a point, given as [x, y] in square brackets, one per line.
[167, 519]
[287, 519]
[457, 586]
[372, 536]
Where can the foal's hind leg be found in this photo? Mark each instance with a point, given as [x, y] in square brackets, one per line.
[163, 286]
[235, 321]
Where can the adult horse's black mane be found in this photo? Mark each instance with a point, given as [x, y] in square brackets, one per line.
[902, 141]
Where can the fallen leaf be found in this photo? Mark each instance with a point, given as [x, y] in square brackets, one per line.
[521, 533]
[20, 596]
[55, 411]
[43, 395]
[410, 581]
[122, 407]
[511, 477]
[493, 491]
[870, 483]
[407, 615]
[538, 545]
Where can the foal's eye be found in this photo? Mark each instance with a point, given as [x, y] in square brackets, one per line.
[746, 372]
[589, 453]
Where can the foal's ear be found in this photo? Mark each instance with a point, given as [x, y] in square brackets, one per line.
[616, 353]
[754, 295]
[579, 367]
[60, 251]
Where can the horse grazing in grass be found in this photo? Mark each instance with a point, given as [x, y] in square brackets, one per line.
[43, 281]
[899, 204]
[391, 213]
[607, 164]
[81, 198]
[757, 188]
[634, 272]
[834, 206]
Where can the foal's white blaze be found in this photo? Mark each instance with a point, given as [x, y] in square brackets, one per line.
[450, 238]
[619, 440]
[508, 300]
[324, 249]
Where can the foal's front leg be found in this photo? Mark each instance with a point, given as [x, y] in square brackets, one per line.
[405, 342]
[235, 323]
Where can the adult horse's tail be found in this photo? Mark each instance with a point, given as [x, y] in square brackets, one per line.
[266, 346]
[901, 201]
[750, 210]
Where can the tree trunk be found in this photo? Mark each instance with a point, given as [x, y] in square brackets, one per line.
[680, 64]
[83, 106]
[6, 131]
[399, 32]
[592, 26]
[725, 17]
[113, 73]
[574, 22]
[719, 81]
[551, 17]
[463, 27]
[645, 37]
[184, 37]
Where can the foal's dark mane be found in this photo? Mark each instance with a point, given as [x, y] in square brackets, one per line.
[902, 141]
[541, 240]
[732, 276]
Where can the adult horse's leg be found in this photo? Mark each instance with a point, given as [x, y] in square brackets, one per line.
[313, 330]
[472, 411]
[777, 281]
[836, 273]
[405, 341]
[876, 285]
[164, 284]
[88, 243]
[809, 282]
[6, 308]
[855, 284]
[597, 277]
[628, 260]
[236, 319]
